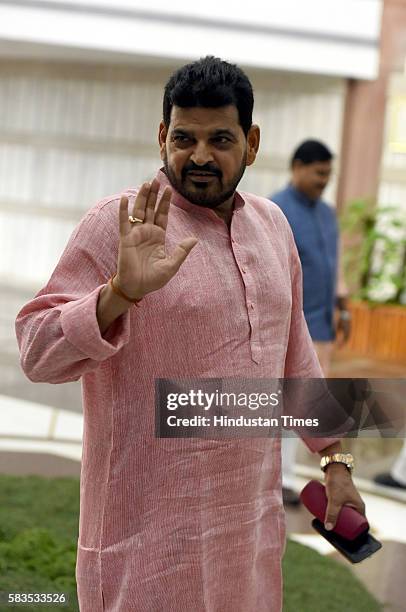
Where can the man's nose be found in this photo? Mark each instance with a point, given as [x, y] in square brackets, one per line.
[201, 154]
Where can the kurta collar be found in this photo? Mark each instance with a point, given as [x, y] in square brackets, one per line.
[181, 202]
[303, 199]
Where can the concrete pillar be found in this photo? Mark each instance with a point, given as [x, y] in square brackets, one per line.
[364, 115]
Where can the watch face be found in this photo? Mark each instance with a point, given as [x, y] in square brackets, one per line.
[346, 458]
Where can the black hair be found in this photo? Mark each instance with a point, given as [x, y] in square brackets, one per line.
[311, 151]
[210, 83]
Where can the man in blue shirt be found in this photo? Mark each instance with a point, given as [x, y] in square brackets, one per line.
[315, 230]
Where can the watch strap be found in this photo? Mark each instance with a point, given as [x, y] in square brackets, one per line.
[346, 458]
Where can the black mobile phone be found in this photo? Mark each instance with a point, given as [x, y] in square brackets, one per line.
[356, 550]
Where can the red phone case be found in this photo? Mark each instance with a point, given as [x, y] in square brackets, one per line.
[350, 523]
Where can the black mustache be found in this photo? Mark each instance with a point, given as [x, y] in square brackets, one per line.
[207, 168]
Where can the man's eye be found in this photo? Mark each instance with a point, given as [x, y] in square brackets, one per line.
[222, 139]
[179, 138]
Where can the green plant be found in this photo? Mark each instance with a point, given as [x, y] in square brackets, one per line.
[374, 254]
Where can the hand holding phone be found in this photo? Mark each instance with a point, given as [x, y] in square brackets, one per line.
[350, 523]
[350, 535]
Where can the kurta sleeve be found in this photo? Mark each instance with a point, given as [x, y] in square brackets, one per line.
[57, 332]
[301, 357]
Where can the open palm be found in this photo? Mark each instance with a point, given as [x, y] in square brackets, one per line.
[143, 264]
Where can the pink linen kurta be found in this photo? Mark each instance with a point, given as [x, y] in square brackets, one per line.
[175, 525]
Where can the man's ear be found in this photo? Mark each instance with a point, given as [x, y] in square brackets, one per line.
[296, 167]
[297, 164]
[162, 134]
[253, 138]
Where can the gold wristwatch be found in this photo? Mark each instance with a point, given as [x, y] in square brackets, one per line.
[345, 458]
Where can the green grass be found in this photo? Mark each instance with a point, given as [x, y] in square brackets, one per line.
[38, 535]
[314, 583]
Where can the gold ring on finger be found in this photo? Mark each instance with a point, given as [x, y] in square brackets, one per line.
[135, 219]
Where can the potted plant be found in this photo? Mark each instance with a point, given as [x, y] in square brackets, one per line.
[374, 262]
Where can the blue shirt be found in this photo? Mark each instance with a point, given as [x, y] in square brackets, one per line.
[315, 230]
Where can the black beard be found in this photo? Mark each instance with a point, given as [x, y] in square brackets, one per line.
[203, 199]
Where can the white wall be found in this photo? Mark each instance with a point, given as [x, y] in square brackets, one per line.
[331, 37]
[70, 135]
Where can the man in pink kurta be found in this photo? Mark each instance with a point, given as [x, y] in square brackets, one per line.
[188, 525]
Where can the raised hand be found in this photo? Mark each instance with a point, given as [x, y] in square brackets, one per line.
[143, 264]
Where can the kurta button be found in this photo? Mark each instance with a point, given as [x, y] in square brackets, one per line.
[252, 306]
